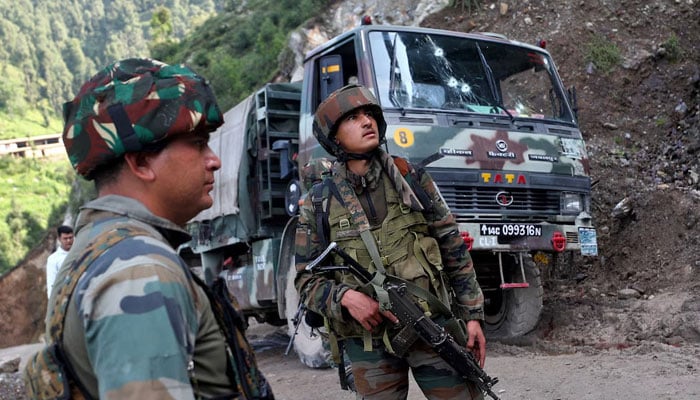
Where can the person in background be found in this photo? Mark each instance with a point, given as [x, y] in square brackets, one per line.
[138, 324]
[53, 263]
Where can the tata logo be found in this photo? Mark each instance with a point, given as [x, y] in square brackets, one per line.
[501, 146]
[504, 199]
[488, 177]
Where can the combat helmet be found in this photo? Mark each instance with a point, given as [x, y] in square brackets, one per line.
[335, 107]
[134, 105]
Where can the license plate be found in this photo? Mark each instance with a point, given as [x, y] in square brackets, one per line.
[588, 240]
[510, 230]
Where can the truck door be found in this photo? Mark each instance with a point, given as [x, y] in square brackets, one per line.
[331, 74]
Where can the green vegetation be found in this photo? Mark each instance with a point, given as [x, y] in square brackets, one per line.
[31, 124]
[50, 48]
[239, 49]
[674, 51]
[33, 197]
[604, 54]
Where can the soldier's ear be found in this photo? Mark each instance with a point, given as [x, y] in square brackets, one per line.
[139, 163]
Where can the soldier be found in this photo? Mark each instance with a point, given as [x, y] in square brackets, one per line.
[137, 324]
[416, 238]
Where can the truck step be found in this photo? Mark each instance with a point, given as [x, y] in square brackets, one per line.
[514, 285]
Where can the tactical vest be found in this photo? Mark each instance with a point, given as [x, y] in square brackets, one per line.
[406, 249]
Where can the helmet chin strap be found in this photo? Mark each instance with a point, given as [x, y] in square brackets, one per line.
[342, 156]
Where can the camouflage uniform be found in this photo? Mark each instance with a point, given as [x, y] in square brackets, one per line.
[138, 324]
[137, 320]
[416, 244]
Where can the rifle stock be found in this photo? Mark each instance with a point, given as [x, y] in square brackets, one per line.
[410, 314]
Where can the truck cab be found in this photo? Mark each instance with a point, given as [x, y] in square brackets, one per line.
[491, 121]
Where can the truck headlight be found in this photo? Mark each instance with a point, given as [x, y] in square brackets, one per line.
[291, 197]
[571, 203]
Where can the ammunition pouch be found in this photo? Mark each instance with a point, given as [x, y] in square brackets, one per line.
[313, 319]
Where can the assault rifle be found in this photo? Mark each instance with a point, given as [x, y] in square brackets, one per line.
[410, 314]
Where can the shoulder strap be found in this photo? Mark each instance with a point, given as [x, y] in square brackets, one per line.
[412, 177]
[320, 193]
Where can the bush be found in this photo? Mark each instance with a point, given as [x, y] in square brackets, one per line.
[604, 54]
[674, 51]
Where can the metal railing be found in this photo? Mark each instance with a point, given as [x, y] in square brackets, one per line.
[43, 146]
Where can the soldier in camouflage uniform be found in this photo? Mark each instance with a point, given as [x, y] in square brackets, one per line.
[417, 239]
[139, 325]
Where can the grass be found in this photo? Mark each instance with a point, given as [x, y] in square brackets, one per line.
[30, 124]
[33, 197]
[674, 51]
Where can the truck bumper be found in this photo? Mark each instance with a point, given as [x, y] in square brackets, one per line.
[530, 237]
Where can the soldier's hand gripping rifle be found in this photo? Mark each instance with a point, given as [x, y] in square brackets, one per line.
[410, 314]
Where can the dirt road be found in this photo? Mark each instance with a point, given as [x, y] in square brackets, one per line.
[649, 371]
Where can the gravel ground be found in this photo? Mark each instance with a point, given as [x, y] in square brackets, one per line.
[647, 371]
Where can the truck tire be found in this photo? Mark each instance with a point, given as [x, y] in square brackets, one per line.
[512, 313]
[309, 344]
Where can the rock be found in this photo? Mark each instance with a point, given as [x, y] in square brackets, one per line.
[10, 366]
[628, 293]
[590, 68]
[681, 108]
[622, 209]
[635, 60]
[691, 305]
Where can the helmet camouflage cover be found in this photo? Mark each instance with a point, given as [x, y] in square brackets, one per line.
[131, 105]
[338, 104]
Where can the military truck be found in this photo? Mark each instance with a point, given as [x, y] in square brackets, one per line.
[487, 117]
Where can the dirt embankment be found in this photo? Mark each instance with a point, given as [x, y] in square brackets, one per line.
[23, 297]
[641, 122]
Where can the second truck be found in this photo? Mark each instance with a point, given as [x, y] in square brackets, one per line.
[489, 119]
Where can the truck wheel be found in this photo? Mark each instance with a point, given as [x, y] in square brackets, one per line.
[512, 313]
[309, 344]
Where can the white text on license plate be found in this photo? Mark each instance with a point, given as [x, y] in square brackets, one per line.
[510, 230]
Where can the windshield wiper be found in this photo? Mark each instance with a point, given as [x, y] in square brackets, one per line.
[392, 72]
[497, 104]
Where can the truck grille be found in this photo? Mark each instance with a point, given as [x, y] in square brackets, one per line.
[469, 202]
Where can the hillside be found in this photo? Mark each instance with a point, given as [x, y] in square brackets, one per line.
[641, 121]
[49, 48]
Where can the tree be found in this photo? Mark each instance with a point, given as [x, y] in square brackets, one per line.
[161, 25]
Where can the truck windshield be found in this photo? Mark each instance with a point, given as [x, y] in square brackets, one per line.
[427, 71]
